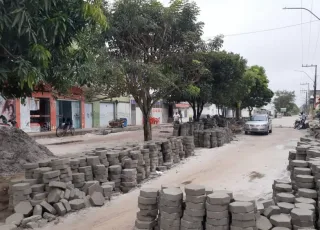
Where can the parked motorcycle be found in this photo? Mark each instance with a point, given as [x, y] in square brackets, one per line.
[300, 124]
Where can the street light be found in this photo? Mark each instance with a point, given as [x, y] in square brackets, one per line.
[301, 71]
[301, 8]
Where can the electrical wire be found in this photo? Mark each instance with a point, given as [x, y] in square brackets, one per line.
[301, 37]
[310, 31]
[268, 30]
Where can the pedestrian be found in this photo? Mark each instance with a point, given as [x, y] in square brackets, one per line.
[180, 115]
[176, 118]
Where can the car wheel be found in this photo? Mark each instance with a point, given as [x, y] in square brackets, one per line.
[246, 132]
[270, 131]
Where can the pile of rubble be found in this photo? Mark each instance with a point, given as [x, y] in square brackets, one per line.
[55, 187]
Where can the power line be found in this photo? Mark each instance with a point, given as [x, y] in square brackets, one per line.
[267, 30]
[310, 31]
[301, 36]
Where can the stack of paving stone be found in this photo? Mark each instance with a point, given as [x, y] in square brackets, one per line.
[281, 186]
[20, 192]
[175, 150]
[243, 215]
[196, 138]
[148, 213]
[115, 176]
[87, 172]
[154, 155]
[214, 139]
[137, 157]
[188, 146]
[176, 130]
[217, 215]
[291, 157]
[167, 154]
[78, 179]
[184, 129]
[160, 155]
[147, 162]
[195, 210]
[221, 137]
[113, 158]
[301, 152]
[100, 173]
[206, 139]
[74, 165]
[63, 165]
[128, 180]
[180, 150]
[102, 154]
[29, 170]
[170, 207]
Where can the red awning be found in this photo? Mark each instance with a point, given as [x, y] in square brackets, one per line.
[182, 105]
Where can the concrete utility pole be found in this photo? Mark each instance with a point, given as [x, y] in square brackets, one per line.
[307, 95]
[314, 83]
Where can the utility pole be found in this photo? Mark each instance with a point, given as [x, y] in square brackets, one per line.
[314, 83]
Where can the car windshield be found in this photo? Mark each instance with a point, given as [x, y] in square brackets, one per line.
[259, 118]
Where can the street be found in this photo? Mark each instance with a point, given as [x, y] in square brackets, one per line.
[246, 166]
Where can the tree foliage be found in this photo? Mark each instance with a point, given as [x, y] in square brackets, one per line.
[147, 43]
[285, 99]
[36, 39]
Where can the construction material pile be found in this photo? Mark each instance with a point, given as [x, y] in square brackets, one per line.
[18, 148]
[202, 208]
[55, 187]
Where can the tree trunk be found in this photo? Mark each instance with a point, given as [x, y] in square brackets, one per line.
[147, 127]
[200, 106]
[238, 111]
[250, 111]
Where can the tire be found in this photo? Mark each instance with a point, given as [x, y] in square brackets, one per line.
[59, 132]
[246, 132]
[72, 131]
[270, 131]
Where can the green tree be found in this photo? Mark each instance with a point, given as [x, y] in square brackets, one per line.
[259, 94]
[146, 44]
[36, 42]
[285, 99]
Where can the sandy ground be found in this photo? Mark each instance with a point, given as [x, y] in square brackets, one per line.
[246, 166]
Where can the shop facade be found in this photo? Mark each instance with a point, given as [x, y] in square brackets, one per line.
[45, 111]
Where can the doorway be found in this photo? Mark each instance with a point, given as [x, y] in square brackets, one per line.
[69, 110]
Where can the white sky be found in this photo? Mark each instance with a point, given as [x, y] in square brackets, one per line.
[278, 51]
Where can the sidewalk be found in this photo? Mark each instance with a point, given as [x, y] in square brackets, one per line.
[78, 132]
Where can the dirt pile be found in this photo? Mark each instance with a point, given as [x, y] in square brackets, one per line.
[18, 148]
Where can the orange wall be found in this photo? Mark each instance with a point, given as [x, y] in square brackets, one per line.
[53, 110]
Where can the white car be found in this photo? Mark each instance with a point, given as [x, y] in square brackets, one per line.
[260, 123]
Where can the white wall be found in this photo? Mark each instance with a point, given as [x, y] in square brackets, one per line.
[138, 116]
[124, 111]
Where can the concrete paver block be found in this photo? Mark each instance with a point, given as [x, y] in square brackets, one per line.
[268, 203]
[23, 207]
[307, 193]
[190, 224]
[47, 207]
[149, 192]
[285, 197]
[61, 210]
[94, 188]
[30, 219]
[32, 225]
[49, 217]
[9, 227]
[304, 206]
[97, 199]
[241, 207]
[272, 210]
[216, 208]
[263, 223]
[283, 187]
[196, 199]
[302, 214]
[77, 204]
[218, 199]
[15, 219]
[54, 195]
[145, 224]
[37, 211]
[58, 184]
[285, 207]
[38, 188]
[218, 222]
[209, 190]
[244, 216]
[305, 200]
[66, 205]
[173, 194]
[42, 223]
[194, 190]
[198, 206]
[281, 220]
[230, 193]
[195, 212]
[20, 186]
[147, 201]
[244, 224]
[304, 178]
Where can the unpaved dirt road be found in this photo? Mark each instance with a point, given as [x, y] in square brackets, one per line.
[247, 166]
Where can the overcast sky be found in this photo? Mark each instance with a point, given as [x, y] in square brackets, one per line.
[280, 51]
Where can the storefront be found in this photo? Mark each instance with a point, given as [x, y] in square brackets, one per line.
[44, 111]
